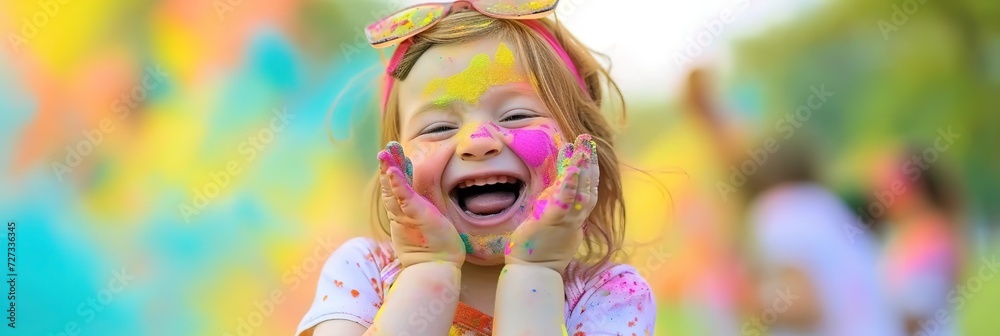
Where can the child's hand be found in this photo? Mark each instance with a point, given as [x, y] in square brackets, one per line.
[419, 232]
[553, 232]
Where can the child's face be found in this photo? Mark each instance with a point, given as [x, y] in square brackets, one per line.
[469, 115]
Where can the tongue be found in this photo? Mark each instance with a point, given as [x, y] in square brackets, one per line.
[489, 202]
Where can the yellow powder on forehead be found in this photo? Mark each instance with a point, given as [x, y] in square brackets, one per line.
[481, 74]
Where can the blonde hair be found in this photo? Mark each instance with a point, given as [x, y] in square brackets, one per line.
[575, 111]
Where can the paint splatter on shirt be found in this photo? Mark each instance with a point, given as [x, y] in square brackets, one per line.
[615, 301]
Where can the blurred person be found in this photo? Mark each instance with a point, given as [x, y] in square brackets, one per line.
[481, 192]
[922, 257]
[809, 276]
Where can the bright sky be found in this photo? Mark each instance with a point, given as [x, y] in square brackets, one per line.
[645, 38]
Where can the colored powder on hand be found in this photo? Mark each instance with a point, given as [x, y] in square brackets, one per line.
[396, 150]
[397, 158]
[414, 235]
[539, 208]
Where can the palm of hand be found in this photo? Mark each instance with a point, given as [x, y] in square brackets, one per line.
[420, 233]
[553, 232]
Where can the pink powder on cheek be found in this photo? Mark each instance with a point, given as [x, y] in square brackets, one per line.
[533, 146]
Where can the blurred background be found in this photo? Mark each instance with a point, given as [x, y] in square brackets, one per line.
[173, 167]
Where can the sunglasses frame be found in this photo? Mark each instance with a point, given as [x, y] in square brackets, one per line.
[481, 6]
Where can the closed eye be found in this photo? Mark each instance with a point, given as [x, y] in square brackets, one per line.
[518, 116]
[437, 129]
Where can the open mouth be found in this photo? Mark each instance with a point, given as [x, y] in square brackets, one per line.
[492, 196]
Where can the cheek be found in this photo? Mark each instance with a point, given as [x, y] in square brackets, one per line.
[538, 147]
[429, 161]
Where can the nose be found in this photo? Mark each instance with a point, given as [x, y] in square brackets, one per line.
[479, 146]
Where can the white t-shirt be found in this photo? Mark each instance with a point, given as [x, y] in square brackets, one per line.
[616, 301]
[806, 227]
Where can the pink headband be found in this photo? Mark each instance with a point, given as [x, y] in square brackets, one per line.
[533, 24]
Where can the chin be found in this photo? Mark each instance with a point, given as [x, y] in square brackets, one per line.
[486, 206]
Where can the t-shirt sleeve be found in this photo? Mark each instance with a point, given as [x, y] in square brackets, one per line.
[616, 302]
[350, 286]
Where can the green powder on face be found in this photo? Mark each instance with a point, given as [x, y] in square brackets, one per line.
[465, 240]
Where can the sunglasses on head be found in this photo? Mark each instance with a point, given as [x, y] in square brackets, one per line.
[415, 19]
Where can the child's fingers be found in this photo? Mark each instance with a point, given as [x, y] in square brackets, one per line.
[562, 160]
[595, 174]
[396, 151]
[404, 194]
[389, 200]
[594, 171]
[570, 188]
[583, 161]
[394, 156]
[409, 171]
[384, 161]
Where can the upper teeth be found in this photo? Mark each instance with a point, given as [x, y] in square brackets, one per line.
[486, 181]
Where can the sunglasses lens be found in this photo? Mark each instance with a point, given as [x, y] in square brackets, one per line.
[516, 8]
[404, 23]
